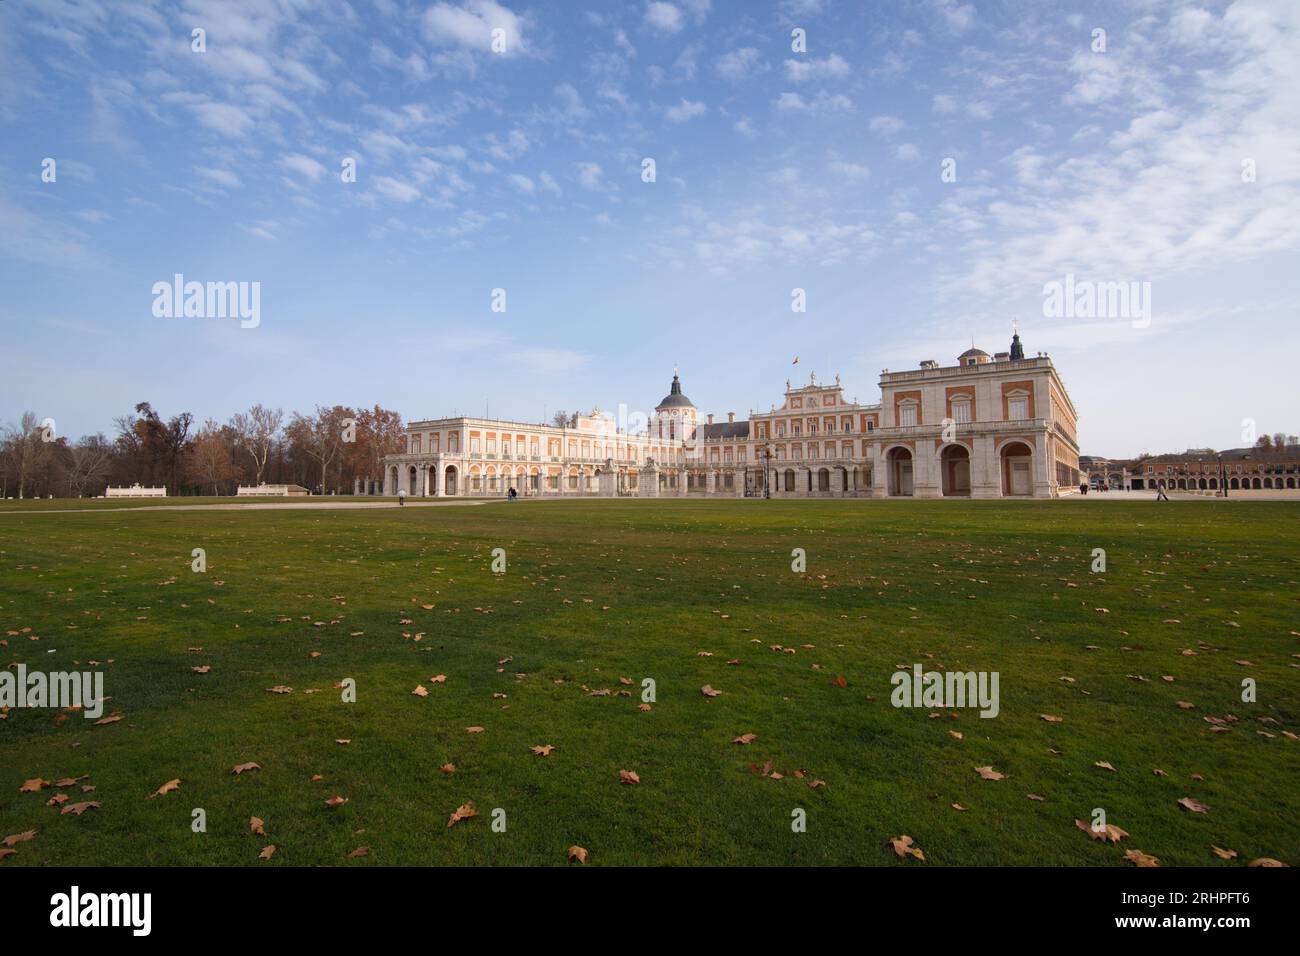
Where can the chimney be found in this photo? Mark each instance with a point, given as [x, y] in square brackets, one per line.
[731, 417]
[710, 418]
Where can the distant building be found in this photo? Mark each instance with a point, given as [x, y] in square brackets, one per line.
[275, 491]
[984, 427]
[1201, 469]
[135, 491]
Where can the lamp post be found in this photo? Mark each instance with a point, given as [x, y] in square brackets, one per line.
[767, 470]
[1223, 478]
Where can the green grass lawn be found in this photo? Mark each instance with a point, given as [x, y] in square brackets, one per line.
[599, 592]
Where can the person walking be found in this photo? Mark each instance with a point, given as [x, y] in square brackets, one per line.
[1160, 493]
[401, 497]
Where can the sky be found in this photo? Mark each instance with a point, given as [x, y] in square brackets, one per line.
[921, 169]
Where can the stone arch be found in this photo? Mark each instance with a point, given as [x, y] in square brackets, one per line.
[1016, 459]
[954, 467]
[898, 461]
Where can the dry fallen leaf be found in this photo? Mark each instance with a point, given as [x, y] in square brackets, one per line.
[240, 768]
[904, 847]
[336, 801]
[420, 691]
[708, 691]
[988, 773]
[267, 852]
[1138, 858]
[544, 750]
[628, 776]
[474, 730]
[1224, 854]
[577, 853]
[32, 786]
[167, 787]
[80, 808]
[463, 812]
[1194, 805]
[745, 739]
[19, 838]
[1109, 833]
[359, 852]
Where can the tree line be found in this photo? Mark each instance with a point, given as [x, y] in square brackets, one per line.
[323, 451]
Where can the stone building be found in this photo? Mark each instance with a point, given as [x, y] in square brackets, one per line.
[984, 427]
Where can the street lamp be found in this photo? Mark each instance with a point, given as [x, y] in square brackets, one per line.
[767, 470]
[1223, 478]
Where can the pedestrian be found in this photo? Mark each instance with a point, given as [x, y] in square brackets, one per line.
[1160, 493]
[401, 497]
[513, 493]
[1083, 487]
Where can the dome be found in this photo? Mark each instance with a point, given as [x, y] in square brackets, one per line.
[973, 356]
[675, 398]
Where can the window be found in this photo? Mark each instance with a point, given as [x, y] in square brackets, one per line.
[907, 414]
[961, 410]
[1017, 407]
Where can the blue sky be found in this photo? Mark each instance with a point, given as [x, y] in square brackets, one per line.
[521, 170]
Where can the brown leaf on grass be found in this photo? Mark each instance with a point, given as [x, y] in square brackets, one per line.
[988, 773]
[840, 682]
[815, 784]
[708, 691]
[80, 808]
[33, 785]
[167, 787]
[1108, 834]
[57, 800]
[643, 708]
[463, 812]
[1138, 858]
[474, 730]
[1105, 766]
[1036, 797]
[577, 853]
[359, 852]
[956, 735]
[336, 801]
[280, 689]
[1052, 718]
[438, 679]
[267, 852]
[241, 767]
[1159, 773]
[1267, 861]
[959, 807]
[1194, 805]
[1224, 854]
[420, 691]
[19, 838]
[5, 851]
[745, 739]
[628, 777]
[201, 670]
[343, 741]
[904, 847]
[448, 768]
[543, 750]
[1185, 704]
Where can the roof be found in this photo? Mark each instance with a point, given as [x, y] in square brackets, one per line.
[971, 353]
[720, 430]
[675, 398]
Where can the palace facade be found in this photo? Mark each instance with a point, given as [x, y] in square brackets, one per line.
[985, 427]
[1275, 468]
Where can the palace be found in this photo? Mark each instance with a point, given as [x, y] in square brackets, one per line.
[985, 427]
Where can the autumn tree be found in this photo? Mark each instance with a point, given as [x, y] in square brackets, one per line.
[255, 433]
[210, 462]
[27, 449]
[89, 462]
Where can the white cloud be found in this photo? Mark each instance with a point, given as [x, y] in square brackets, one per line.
[684, 111]
[470, 26]
[590, 176]
[303, 166]
[801, 71]
[396, 190]
[522, 183]
[739, 64]
[221, 177]
[885, 125]
[823, 103]
[663, 17]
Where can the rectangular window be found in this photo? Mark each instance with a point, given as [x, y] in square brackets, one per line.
[1017, 408]
[907, 415]
[961, 412]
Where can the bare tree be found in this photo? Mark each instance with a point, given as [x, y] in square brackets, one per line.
[319, 436]
[27, 449]
[90, 460]
[210, 461]
[255, 432]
